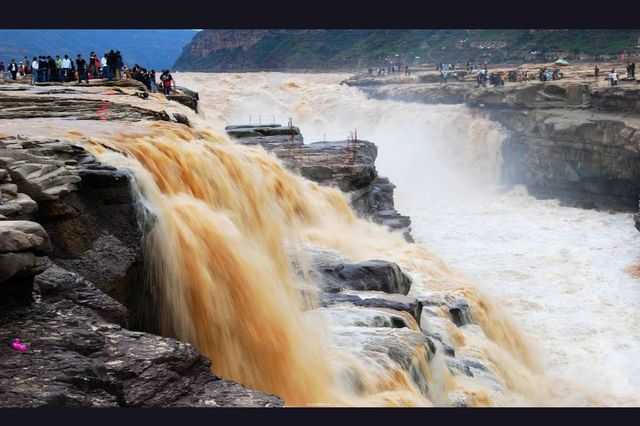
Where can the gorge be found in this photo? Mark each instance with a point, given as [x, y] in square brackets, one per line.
[277, 277]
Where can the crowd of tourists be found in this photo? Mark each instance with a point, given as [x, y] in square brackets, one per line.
[148, 78]
[44, 69]
[449, 72]
[549, 74]
[392, 70]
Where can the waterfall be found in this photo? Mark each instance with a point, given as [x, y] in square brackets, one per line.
[563, 273]
[219, 255]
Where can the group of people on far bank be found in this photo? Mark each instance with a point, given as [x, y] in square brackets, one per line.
[392, 70]
[43, 69]
[613, 75]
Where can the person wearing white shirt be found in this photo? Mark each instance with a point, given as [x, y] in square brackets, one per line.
[66, 68]
[104, 66]
[34, 67]
[613, 77]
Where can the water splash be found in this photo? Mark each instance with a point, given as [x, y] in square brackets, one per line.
[223, 217]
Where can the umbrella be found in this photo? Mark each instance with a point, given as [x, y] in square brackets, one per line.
[561, 62]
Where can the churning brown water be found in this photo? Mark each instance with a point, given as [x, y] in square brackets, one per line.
[227, 221]
[224, 217]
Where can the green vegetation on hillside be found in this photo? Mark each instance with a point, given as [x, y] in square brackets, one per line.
[331, 49]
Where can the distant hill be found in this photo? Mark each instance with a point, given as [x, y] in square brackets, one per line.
[155, 49]
[224, 50]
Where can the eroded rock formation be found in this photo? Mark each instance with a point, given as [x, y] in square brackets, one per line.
[80, 354]
[70, 245]
[347, 165]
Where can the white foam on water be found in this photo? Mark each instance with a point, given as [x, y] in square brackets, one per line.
[559, 271]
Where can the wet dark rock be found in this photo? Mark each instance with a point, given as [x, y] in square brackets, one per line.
[408, 349]
[395, 302]
[448, 350]
[267, 135]
[373, 275]
[79, 355]
[346, 165]
[460, 312]
[87, 209]
[185, 100]
[94, 229]
[16, 277]
[467, 366]
[456, 306]
[181, 118]
[58, 283]
[186, 97]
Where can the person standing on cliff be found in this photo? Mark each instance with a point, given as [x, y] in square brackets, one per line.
[597, 72]
[34, 69]
[152, 82]
[51, 69]
[171, 83]
[166, 80]
[40, 70]
[104, 66]
[58, 69]
[111, 64]
[613, 77]
[93, 64]
[65, 64]
[118, 64]
[81, 66]
[43, 67]
[13, 69]
[482, 78]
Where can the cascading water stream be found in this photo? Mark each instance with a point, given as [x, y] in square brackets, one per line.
[226, 217]
[223, 216]
[562, 271]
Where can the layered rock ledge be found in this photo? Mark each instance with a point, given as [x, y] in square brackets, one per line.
[346, 165]
[576, 140]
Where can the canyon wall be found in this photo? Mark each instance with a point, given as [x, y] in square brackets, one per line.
[280, 49]
[575, 141]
